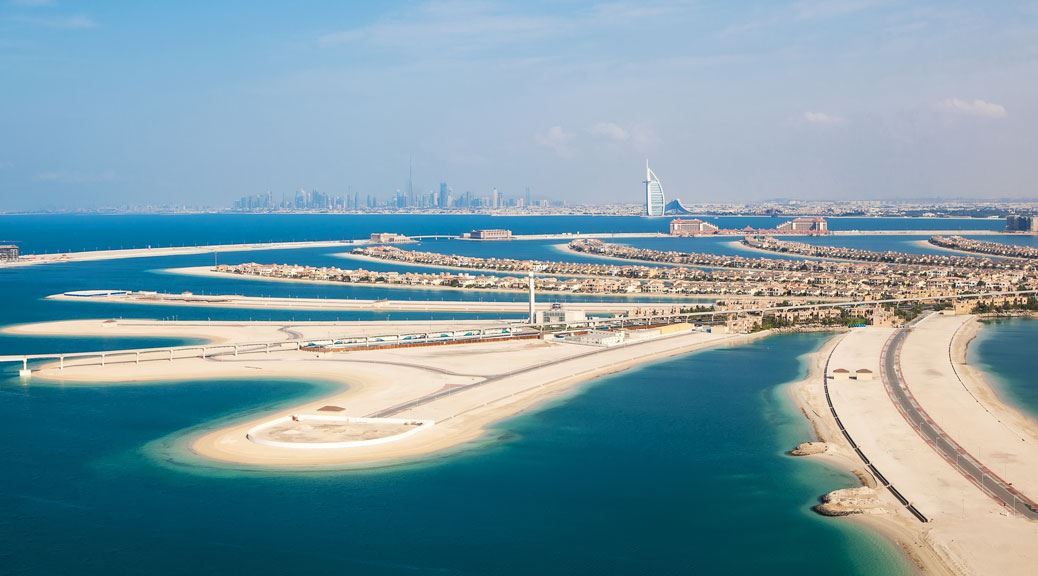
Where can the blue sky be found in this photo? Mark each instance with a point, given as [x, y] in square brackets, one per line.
[201, 102]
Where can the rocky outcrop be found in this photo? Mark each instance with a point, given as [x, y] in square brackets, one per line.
[847, 501]
[809, 448]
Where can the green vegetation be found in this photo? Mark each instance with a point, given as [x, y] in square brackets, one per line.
[984, 308]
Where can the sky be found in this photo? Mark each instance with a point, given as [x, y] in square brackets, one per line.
[198, 103]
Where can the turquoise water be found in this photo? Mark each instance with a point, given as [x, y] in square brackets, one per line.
[676, 467]
[1004, 350]
[63, 233]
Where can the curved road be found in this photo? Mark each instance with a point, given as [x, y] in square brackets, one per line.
[951, 451]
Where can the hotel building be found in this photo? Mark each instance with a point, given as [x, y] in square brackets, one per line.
[692, 227]
[655, 202]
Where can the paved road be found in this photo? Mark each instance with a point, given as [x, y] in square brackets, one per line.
[951, 451]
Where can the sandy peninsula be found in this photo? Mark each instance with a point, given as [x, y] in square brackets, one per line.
[461, 389]
[341, 304]
[968, 532]
[149, 252]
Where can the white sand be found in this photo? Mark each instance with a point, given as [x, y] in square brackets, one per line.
[969, 532]
[333, 304]
[33, 259]
[525, 373]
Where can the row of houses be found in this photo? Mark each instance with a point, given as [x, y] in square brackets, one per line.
[937, 260]
[981, 247]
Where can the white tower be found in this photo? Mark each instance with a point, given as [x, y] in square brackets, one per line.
[655, 202]
[533, 308]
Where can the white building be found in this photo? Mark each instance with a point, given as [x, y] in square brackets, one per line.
[655, 202]
[558, 315]
[598, 338]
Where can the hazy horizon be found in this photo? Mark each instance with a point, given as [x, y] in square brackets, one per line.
[112, 103]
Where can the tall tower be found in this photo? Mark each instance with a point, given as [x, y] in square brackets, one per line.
[444, 191]
[410, 180]
[655, 203]
[533, 303]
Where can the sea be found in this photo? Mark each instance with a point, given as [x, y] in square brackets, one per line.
[677, 467]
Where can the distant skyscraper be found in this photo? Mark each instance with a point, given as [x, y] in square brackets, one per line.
[655, 203]
[527, 201]
[410, 182]
[442, 201]
[495, 199]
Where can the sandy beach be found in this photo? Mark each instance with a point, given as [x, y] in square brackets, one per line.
[968, 532]
[343, 304]
[461, 391]
[487, 382]
[90, 255]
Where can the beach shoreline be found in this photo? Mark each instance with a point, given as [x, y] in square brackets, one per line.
[369, 382]
[808, 397]
[678, 298]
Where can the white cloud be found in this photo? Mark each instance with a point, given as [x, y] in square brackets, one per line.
[823, 119]
[62, 22]
[62, 177]
[812, 9]
[610, 131]
[557, 139]
[976, 107]
[451, 26]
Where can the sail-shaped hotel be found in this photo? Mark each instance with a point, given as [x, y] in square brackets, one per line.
[655, 203]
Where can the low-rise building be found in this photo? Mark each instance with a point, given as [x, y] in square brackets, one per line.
[387, 237]
[1020, 223]
[885, 317]
[816, 225]
[491, 234]
[8, 253]
[559, 315]
[598, 338]
[694, 227]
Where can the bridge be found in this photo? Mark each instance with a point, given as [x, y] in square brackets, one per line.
[435, 237]
[509, 329]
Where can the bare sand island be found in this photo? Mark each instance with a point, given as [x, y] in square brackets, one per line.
[968, 531]
[91, 255]
[333, 304]
[456, 390]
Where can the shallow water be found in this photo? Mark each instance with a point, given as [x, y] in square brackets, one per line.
[676, 467]
[1004, 350]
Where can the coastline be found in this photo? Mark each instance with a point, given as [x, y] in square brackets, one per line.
[343, 304]
[371, 383]
[119, 254]
[982, 385]
[678, 298]
[808, 397]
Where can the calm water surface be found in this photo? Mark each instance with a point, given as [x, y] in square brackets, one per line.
[673, 468]
[1005, 350]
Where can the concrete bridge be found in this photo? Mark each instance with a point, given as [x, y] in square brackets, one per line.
[170, 353]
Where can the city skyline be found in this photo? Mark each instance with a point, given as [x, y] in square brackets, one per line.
[812, 100]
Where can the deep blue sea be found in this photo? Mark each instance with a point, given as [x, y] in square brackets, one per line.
[672, 468]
